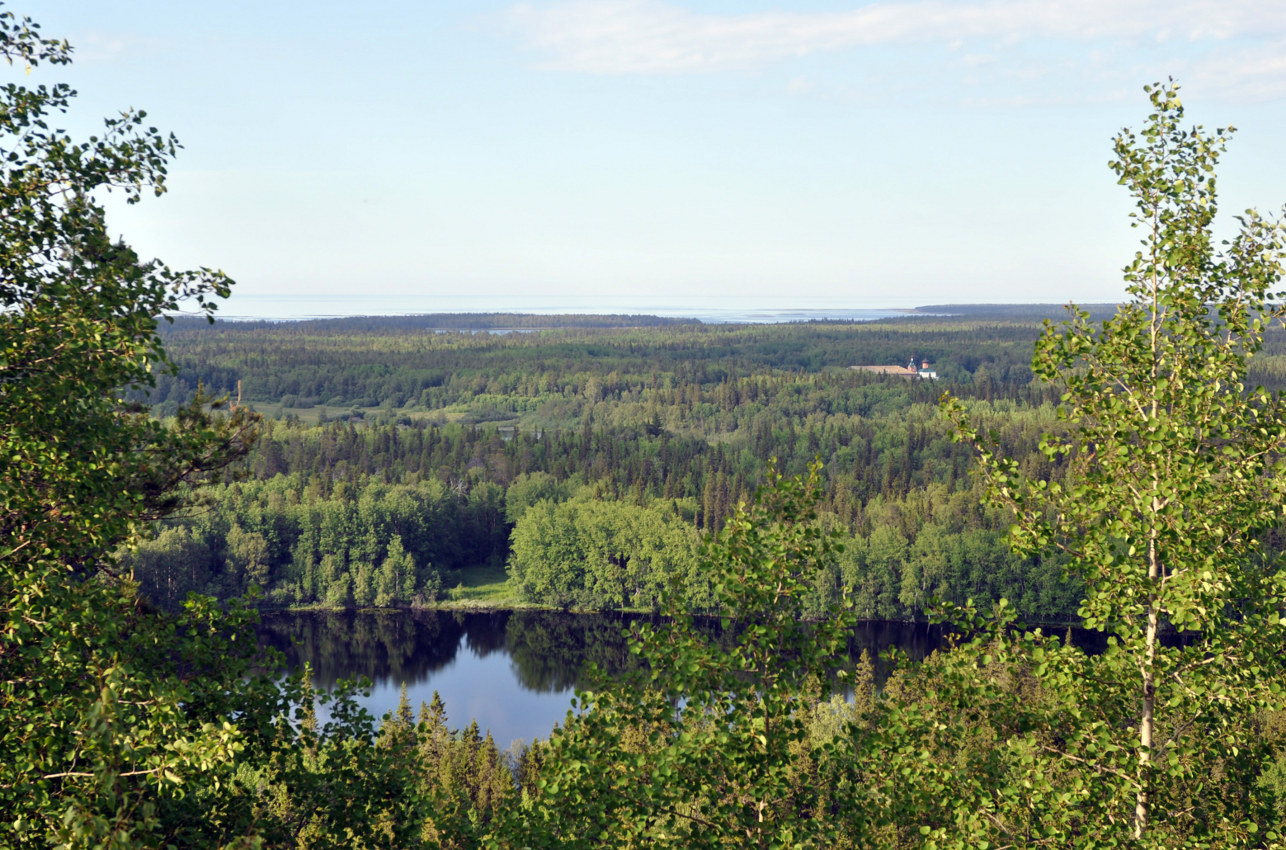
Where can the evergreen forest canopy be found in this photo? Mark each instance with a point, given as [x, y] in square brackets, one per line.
[400, 457]
[592, 461]
[1152, 475]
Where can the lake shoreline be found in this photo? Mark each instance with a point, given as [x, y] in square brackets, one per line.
[480, 606]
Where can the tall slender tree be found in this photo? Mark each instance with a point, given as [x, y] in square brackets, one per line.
[1175, 472]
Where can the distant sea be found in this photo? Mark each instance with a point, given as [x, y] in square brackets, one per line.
[706, 309]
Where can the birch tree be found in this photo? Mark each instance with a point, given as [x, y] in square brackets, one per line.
[1175, 474]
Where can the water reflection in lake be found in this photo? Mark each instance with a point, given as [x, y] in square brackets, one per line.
[513, 672]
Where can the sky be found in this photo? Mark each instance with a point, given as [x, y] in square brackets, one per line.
[410, 155]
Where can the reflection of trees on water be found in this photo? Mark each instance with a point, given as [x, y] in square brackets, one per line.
[549, 651]
[485, 633]
[917, 640]
[404, 646]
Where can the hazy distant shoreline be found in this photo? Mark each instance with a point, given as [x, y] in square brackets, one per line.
[705, 316]
[710, 309]
[297, 310]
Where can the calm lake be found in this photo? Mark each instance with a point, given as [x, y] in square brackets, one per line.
[514, 672]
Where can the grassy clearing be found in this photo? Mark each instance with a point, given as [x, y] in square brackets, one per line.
[479, 587]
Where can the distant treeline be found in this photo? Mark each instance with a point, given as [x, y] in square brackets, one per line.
[449, 321]
[1029, 312]
[306, 364]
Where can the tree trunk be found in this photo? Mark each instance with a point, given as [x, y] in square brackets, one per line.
[1148, 695]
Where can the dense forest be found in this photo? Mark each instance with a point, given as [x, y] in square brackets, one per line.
[400, 453]
[591, 461]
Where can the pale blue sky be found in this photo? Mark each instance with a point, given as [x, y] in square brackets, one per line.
[496, 154]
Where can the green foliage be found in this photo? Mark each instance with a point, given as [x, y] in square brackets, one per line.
[112, 718]
[670, 418]
[704, 750]
[1176, 472]
[345, 783]
[392, 362]
[1158, 486]
[454, 495]
[528, 489]
[381, 545]
[599, 555]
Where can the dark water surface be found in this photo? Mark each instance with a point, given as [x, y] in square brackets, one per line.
[514, 672]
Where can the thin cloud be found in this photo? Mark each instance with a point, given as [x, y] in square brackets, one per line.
[1243, 76]
[100, 47]
[653, 37]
